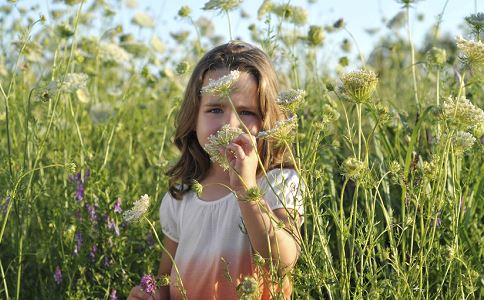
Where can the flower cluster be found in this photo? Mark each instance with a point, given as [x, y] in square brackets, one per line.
[222, 5]
[222, 86]
[143, 20]
[58, 275]
[197, 188]
[356, 170]
[112, 53]
[73, 82]
[80, 181]
[472, 52]
[291, 99]
[282, 133]
[148, 284]
[359, 85]
[140, 208]
[462, 141]
[221, 139]
[436, 57]
[460, 112]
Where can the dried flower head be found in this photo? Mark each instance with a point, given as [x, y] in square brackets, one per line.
[462, 141]
[358, 171]
[291, 99]
[472, 52]
[359, 85]
[315, 35]
[182, 67]
[282, 133]
[222, 86]
[436, 57]
[222, 5]
[139, 209]
[461, 113]
[148, 284]
[221, 139]
[248, 288]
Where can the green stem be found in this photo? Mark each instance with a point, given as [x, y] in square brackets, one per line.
[412, 53]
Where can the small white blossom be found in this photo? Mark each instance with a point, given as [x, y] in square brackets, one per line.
[221, 86]
[291, 98]
[359, 85]
[140, 208]
[143, 20]
[222, 5]
[462, 113]
[462, 141]
[73, 82]
[111, 52]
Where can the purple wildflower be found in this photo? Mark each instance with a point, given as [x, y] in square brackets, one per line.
[107, 261]
[91, 211]
[149, 239]
[438, 219]
[113, 296]
[93, 252]
[112, 225]
[78, 238]
[117, 206]
[80, 182]
[4, 204]
[58, 275]
[148, 284]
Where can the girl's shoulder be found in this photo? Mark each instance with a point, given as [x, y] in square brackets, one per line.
[280, 175]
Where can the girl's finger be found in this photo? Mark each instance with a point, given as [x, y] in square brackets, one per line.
[236, 151]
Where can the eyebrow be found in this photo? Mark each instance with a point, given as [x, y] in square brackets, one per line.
[219, 103]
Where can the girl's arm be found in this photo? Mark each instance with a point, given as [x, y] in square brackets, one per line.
[270, 239]
[267, 238]
[163, 293]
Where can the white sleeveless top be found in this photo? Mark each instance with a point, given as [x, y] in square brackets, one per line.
[212, 240]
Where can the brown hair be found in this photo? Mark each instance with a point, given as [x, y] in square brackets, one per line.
[194, 162]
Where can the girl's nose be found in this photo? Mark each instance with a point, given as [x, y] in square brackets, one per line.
[232, 120]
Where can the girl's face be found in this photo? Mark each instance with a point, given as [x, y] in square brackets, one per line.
[215, 112]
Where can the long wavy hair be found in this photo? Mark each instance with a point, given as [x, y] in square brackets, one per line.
[194, 162]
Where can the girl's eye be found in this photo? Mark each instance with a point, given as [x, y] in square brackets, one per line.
[247, 113]
[215, 110]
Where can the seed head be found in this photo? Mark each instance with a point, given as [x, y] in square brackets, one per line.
[315, 35]
[139, 209]
[282, 133]
[184, 11]
[476, 21]
[248, 288]
[221, 139]
[182, 67]
[436, 57]
[74, 81]
[359, 85]
[222, 86]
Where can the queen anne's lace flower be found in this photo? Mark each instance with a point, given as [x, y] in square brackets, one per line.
[359, 85]
[221, 86]
[472, 52]
[282, 133]
[73, 82]
[291, 98]
[140, 208]
[221, 139]
[462, 141]
[462, 113]
[143, 20]
[222, 5]
[111, 52]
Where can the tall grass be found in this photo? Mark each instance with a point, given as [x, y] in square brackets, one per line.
[393, 182]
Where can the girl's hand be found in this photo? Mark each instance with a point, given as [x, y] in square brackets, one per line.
[243, 161]
[137, 293]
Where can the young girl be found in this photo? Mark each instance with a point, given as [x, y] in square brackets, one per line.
[240, 233]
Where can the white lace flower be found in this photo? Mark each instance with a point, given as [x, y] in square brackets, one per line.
[462, 113]
[73, 82]
[282, 133]
[221, 139]
[472, 51]
[143, 20]
[221, 86]
[140, 208]
[291, 98]
[462, 141]
[111, 52]
[359, 85]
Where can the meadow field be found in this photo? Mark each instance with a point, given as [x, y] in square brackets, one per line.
[389, 147]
